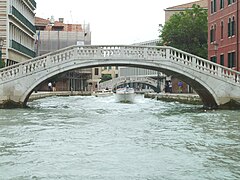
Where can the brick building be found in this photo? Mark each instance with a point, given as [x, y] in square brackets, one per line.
[224, 32]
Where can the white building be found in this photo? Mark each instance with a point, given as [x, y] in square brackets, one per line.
[17, 30]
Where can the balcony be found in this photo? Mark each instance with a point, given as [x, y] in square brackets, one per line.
[24, 20]
[17, 46]
[33, 3]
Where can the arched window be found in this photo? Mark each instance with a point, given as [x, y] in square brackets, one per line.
[211, 34]
[221, 4]
[233, 27]
[229, 27]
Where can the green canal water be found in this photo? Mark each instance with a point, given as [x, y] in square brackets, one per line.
[97, 138]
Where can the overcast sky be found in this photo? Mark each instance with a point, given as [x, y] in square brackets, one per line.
[111, 21]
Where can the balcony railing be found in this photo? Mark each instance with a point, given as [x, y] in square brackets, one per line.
[24, 20]
[22, 49]
[33, 2]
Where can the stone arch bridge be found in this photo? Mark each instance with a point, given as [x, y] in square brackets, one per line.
[217, 86]
[127, 80]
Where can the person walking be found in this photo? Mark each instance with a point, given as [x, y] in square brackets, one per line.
[180, 85]
[50, 86]
[54, 86]
[170, 86]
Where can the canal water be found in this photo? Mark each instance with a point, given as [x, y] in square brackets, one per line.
[97, 138]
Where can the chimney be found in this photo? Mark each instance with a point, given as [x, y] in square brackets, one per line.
[61, 20]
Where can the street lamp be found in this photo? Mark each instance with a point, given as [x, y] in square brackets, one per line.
[1, 45]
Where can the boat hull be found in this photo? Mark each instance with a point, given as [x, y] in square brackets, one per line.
[103, 93]
[125, 95]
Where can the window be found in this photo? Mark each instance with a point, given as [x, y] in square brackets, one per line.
[233, 27]
[212, 34]
[231, 59]
[213, 59]
[96, 72]
[229, 27]
[221, 4]
[222, 59]
[231, 1]
[222, 29]
[213, 6]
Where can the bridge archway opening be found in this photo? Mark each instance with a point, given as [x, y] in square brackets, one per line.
[199, 87]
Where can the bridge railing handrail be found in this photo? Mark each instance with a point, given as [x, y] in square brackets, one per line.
[206, 65]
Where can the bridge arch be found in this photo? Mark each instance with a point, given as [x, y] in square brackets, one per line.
[119, 81]
[215, 84]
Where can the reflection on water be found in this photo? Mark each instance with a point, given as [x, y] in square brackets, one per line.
[97, 138]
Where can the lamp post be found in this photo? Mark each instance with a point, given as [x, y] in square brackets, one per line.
[215, 48]
[1, 45]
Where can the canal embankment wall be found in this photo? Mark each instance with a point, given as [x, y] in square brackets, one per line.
[43, 94]
[187, 98]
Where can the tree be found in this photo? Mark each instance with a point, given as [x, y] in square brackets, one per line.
[106, 77]
[187, 31]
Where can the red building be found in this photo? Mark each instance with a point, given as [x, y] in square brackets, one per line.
[224, 32]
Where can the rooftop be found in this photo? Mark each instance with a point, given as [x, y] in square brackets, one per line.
[201, 3]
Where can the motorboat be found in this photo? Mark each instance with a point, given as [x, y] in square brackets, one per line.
[125, 95]
[103, 93]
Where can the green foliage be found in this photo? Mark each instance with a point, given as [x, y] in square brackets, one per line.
[2, 64]
[106, 77]
[187, 31]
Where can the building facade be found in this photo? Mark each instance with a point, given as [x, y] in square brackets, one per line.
[17, 30]
[52, 35]
[224, 32]
[183, 7]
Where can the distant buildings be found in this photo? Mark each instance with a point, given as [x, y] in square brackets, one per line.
[183, 7]
[224, 32]
[52, 35]
[17, 30]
